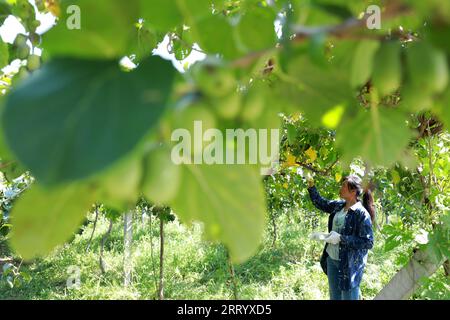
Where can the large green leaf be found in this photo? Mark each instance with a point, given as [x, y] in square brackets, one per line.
[43, 219]
[119, 184]
[215, 36]
[213, 33]
[161, 15]
[165, 15]
[442, 108]
[363, 62]
[316, 89]
[5, 10]
[4, 54]
[256, 29]
[73, 117]
[8, 165]
[313, 13]
[379, 136]
[105, 29]
[229, 199]
[427, 67]
[438, 34]
[387, 68]
[161, 176]
[291, 133]
[144, 41]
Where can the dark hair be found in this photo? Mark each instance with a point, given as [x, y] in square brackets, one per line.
[355, 183]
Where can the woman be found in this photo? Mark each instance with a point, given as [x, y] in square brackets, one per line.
[351, 236]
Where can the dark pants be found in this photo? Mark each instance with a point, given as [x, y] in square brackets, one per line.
[335, 292]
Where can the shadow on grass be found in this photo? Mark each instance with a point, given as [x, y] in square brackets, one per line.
[260, 268]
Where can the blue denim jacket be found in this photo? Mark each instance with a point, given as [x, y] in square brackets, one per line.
[356, 239]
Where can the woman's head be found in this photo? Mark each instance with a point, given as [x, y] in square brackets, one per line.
[351, 188]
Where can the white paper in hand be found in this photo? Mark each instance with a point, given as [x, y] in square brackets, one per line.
[319, 236]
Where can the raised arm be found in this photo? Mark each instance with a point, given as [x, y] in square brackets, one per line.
[321, 203]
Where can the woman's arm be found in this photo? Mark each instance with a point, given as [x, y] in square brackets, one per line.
[322, 203]
[364, 238]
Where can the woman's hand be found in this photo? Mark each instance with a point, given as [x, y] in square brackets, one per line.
[333, 238]
[310, 181]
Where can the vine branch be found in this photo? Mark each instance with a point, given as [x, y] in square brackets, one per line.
[345, 30]
[325, 172]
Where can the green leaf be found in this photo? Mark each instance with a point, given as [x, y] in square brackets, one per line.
[162, 176]
[119, 184]
[363, 62]
[446, 222]
[415, 99]
[427, 67]
[312, 14]
[144, 43]
[379, 136]
[440, 237]
[5, 11]
[316, 89]
[317, 49]
[438, 33]
[214, 80]
[391, 243]
[333, 117]
[181, 50]
[106, 27]
[24, 10]
[4, 54]
[73, 117]
[161, 15]
[214, 34]
[338, 10]
[43, 219]
[442, 108]
[402, 259]
[387, 72]
[254, 103]
[166, 15]
[232, 207]
[433, 247]
[256, 29]
[291, 134]
[9, 166]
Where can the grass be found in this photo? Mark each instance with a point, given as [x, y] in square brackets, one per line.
[196, 269]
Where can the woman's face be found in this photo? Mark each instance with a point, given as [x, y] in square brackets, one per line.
[345, 192]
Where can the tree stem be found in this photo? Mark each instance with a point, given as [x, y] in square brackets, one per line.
[93, 229]
[161, 259]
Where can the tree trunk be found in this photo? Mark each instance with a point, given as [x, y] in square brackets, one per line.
[406, 281]
[93, 229]
[447, 268]
[128, 239]
[274, 230]
[144, 216]
[233, 277]
[155, 277]
[161, 259]
[104, 238]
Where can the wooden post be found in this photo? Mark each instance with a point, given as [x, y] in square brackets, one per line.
[161, 259]
[406, 281]
[127, 250]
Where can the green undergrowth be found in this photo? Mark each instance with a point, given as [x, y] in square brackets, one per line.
[197, 269]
